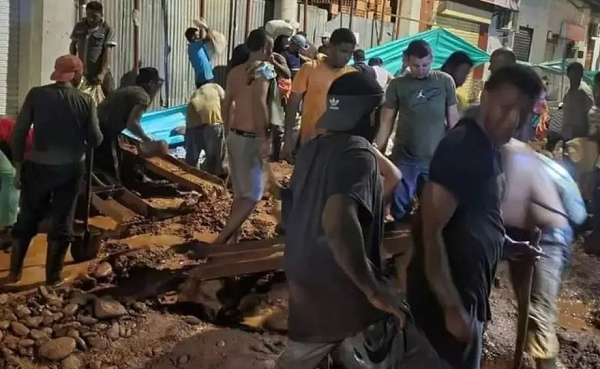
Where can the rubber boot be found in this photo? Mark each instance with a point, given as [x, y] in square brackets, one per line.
[545, 363]
[17, 259]
[55, 259]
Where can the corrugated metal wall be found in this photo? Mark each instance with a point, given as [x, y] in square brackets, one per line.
[367, 29]
[162, 41]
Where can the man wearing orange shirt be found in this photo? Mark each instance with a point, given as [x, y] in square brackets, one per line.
[311, 85]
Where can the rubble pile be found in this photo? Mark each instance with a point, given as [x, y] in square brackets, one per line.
[55, 327]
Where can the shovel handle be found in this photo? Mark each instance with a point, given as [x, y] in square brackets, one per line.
[524, 297]
[89, 161]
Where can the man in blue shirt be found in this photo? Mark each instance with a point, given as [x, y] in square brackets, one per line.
[199, 57]
[292, 55]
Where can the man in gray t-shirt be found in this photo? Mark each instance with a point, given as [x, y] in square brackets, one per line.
[426, 103]
[576, 104]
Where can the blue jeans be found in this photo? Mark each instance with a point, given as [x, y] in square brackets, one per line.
[414, 174]
[542, 342]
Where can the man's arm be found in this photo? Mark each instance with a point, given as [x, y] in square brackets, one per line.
[437, 207]
[133, 123]
[388, 114]
[281, 66]
[390, 173]
[260, 108]
[21, 130]
[109, 44]
[452, 115]
[73, 44]
[227, 102]
[94, 134]
[299, 88]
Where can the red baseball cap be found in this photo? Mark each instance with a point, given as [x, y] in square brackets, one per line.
[65, 68]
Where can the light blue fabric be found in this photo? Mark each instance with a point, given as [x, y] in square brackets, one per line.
[200, 61]
[567, 188]
[442, 42]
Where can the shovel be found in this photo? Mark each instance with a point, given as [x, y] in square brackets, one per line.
[87, 245]
[523, 298]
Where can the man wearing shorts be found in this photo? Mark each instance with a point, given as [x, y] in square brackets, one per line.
[246, 117]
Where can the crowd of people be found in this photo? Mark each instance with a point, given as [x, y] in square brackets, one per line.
[483, 193]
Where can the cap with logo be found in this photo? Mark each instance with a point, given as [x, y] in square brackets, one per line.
[344, 111]
[326, 34]
[65, 68]
[300, 41]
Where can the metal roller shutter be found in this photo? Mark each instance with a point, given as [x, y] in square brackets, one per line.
[9, 57]
[522, 44]
[468, 31]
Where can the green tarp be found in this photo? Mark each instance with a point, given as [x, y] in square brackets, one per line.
[442, 42]
[556, 67]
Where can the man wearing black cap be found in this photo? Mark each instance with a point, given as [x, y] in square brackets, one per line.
[340, 305]
[122, 110]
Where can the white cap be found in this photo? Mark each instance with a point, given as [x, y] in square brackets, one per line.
[326, 34]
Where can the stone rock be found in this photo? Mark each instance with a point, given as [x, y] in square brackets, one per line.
[73, 333]
[113, 332]
[71, 362]
[47, 313]
[106, 308]
[70, 309]
[22, 311]
[100, 327]
[48, 295]
[103, 270]
[190, 319]
[89, 334]
[1, 336]
[4, 325]
[11, 342]
[26, 343]
[10, 316]
[3, 299]
[183, 359]
[57, 349]
[57, 316]
[19, 329]
[81, 298]
[140, 307]
[98, 343]
[81, 344]
[47, 330]
[95, 365]
[37, 334]
[87, 320]
[34, 321]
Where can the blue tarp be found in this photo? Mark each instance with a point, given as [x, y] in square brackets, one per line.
[159, 125]
[442, 42]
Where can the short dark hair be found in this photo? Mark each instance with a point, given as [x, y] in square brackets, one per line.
[359, 55]
[575, 66]
[190, 32]
[342, 36]
[281, 43]
[505, 52]
[525, 79]
[257, 40]
[147, 75]
[375, 62]
[239, 56]
[455, 59]
[419, 49]
[95, 6]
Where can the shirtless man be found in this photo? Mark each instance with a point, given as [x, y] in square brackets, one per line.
[532, 200]
[247, 125]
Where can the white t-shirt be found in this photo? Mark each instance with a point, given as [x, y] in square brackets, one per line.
[383, 76]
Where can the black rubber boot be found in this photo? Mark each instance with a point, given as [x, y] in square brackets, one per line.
[55, 259]
[17, 259]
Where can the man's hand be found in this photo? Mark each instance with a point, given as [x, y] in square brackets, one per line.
[521, 251]
[17, 180]
[458, 324]
[99, 79]
[387, 302]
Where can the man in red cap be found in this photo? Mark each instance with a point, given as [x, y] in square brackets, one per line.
[65, 124]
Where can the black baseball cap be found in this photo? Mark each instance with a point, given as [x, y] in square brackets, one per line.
[147, 75]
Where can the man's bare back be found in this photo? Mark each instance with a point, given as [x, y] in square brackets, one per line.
[243, 100]
[529, 191]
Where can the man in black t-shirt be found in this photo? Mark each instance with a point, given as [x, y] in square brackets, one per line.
[360, 63]
[462, 233]
[339, 304]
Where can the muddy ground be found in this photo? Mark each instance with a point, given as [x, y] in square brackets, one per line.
[131, 318]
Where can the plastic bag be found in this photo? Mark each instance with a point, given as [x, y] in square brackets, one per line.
[217, 41]
[278, 27]
[94, 90]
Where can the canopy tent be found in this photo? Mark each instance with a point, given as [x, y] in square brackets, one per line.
[557, 67]
[442, 42]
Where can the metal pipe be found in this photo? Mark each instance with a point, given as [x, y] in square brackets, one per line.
[202, 8]
[352, 4]
[231, 30]
[136, 36]
[248, 16]
[305, 23]
[340, 13]
[372, 23]
[380, 38]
